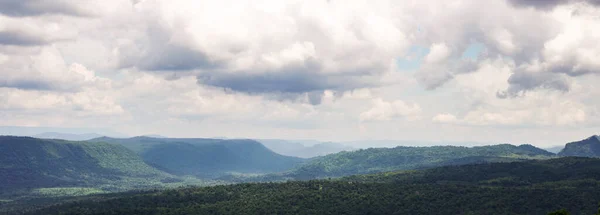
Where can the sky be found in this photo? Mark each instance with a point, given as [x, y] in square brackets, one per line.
[498, 71]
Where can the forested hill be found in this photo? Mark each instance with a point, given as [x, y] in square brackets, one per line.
[207, 158]
[571, 170]
[27, 163]
[532, 187]
[404, 158]
[589, 147]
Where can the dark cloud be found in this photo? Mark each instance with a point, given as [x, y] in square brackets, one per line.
[522, 82]
[548, 4]
[21, 39]
[159, 53]
[436, 75]
[34, 85]
[21, 8]
[175, 58]
[284, 81]
[288, 83]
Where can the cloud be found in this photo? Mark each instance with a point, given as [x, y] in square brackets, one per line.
[439, 66]
[444, 118]
[522, 81]
[572, 114]
[46, 70]
[295, 52]
[549, 4]
[159, 50]
[32, 32]
[82, 104]
[21, 8]
[235, 68]
[385, 111]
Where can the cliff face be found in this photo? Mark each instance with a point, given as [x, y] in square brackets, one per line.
[589, 147]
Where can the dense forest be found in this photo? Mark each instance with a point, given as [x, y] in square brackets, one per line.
[374, 160]
[531, 187]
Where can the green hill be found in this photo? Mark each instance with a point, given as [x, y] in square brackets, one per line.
[589, 147]
[28, 163]
[531, 187]
[375, 160]
[207, 158]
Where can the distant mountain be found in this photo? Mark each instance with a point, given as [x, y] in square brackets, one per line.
[67, 136]
[207, 158]
[555, 149]
[292, 148]
[33, 131]
[28, 163]
[154, 136]
[374, 160]
[589, 147]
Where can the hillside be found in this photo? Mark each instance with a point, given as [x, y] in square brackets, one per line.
[28, 163]
[374, 160]
[207, 158]
[293, 148]
[589, 147]
[532, 187]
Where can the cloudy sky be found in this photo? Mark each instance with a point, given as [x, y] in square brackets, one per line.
[519, 71]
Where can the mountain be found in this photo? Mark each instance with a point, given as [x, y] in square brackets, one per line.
[296, 149]
[207, 158]
[67, 136]
[33, 131]
[29, 163]
[589, 147]
[531, 187]
[374, 160]
[555, 149]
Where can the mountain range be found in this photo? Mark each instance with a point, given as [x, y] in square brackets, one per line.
[206, 158]
[33, 167]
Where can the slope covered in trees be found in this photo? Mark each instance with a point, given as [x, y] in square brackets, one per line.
[589, 147]
[374, 160]
[207, 158]
[543, 186]
[28, 163]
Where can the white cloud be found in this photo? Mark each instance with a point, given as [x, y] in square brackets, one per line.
[385, 111]
[81, 104]
[45, 69]
[444, 118]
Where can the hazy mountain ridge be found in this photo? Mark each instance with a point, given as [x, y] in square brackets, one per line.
[207, 158]
[303, 150]
[67, 136]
